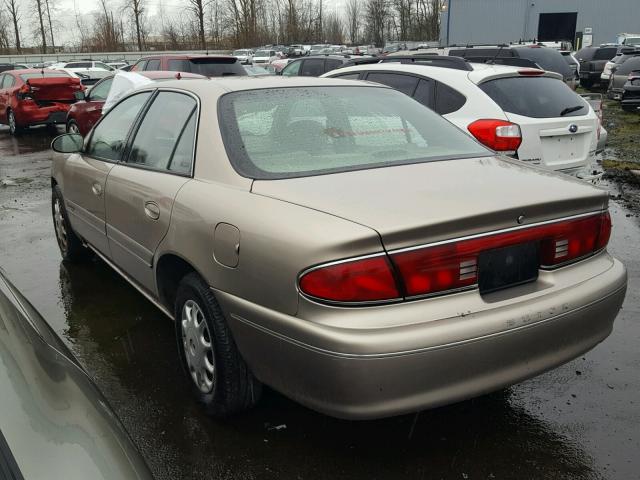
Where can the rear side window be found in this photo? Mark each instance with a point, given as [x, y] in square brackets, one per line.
[153, 64]
[217, 67]
[605, 53]
[404, 83]
[160, 130]
[176, 65]
[347, 76]
[79, 65]
[536, 97]
[331, 64]
[448, 100]
[314, 67]
[109, 137]
[425, 92]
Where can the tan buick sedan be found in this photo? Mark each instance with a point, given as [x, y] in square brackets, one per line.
[337, 241]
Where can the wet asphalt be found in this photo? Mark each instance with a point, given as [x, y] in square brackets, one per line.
[580, 421]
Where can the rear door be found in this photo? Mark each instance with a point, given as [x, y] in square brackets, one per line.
[85, 174]
[558, 127]
[140, 191]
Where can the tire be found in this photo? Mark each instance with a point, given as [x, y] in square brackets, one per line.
[72, 127]
[586, 83]
[70, 245]
[14, 129]
[223, 383]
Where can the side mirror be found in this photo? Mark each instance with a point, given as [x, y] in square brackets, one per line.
[68, 143]
[80, 95]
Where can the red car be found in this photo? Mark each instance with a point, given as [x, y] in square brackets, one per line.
[84, 114]
[209, 65]
[36, 97]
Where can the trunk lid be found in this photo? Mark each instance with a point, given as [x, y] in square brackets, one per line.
[54, 89]
[422, 203]
[557, 143]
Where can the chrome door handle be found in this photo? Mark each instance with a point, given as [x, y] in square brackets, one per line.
[96, 188]
[152, 210]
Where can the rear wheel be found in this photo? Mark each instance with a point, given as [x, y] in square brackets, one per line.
[219, 376]
[72, 127]
[14, 129]
[71, 247]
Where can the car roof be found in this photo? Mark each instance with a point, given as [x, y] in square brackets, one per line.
[36, 70]
[184, 56]
[219, 85]
[479, 70]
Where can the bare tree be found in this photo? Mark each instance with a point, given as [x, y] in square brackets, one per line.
[40, 11]
[137, 9]
[354, 13]
[46, 3]
[197, 8]
[12, 7]
[377, 16]
[5, 34]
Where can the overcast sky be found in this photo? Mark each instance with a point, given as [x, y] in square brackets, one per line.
[64, 15]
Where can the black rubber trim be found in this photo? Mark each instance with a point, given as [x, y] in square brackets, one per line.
[9, 469]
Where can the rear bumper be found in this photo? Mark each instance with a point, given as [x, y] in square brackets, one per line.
[361, 373]
[35, 115]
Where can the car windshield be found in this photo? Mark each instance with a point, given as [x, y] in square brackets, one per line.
[240, 52]
[536, 97]
[262, 53]
[296, 132]
[28, 76]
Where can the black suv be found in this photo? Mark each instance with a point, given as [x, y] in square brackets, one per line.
[592, 61]
[546, 58]
[631, 95]
[314, 66]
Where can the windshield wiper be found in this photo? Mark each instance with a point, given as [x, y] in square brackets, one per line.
[570, 110]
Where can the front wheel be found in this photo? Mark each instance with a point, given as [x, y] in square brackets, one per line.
[218, 374]
[70, 245]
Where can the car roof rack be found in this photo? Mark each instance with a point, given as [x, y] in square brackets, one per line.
[444, 61]
[509, 61]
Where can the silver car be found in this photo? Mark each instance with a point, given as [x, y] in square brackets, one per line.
[337, 241]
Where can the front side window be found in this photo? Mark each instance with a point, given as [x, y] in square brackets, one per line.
[292, 70]
[294, 132]
[160, 130]
[101, 90]
[153, 64]
[109, 137]
[104, 66]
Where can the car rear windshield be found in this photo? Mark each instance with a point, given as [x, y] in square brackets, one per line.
[536, 97]
[28, 76]
[605, 53]
[548, 59]
[216, 67]
[630, 65]
[304, 131]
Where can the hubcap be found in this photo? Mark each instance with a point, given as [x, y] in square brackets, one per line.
[58, 221]
[197, 345]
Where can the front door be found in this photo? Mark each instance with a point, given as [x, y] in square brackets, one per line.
[85, 174]
[141, 189]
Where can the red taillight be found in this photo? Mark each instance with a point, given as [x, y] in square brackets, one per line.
[498, 135]
[454, 265]
[360, 280]
[531, 72]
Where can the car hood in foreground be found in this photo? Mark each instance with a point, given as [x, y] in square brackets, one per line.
[428, 202]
